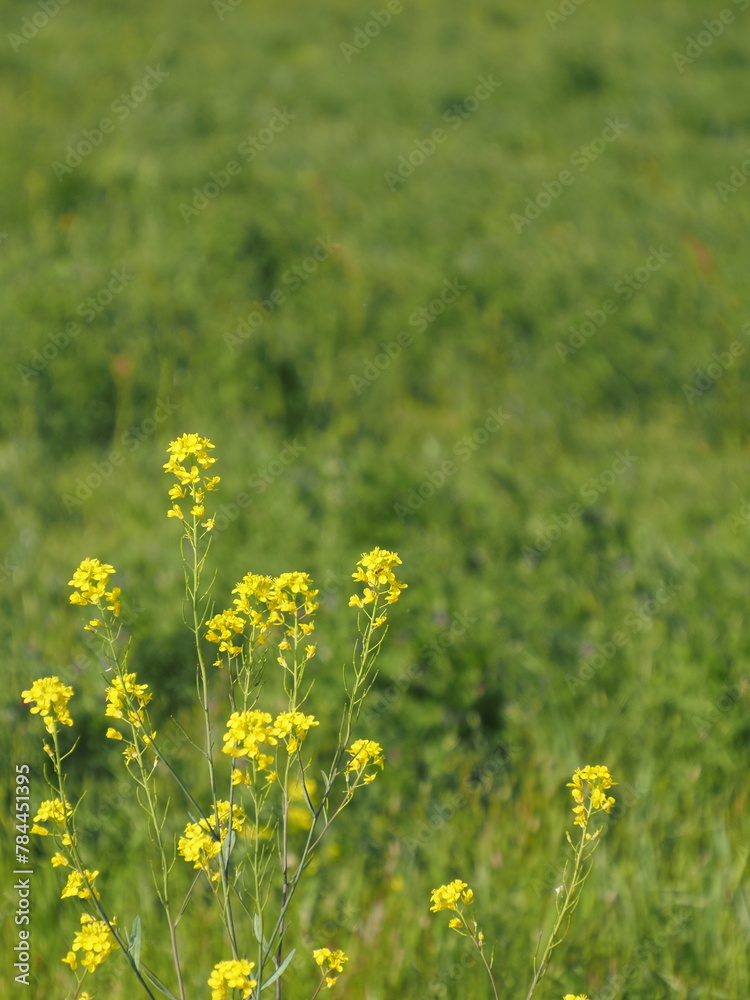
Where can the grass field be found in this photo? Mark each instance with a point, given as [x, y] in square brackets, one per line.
[470, 285]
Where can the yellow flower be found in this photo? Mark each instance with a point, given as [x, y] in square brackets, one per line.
[200, 842]
[246, 731]
[90, 582]
[220, 629]
[95, 940]
[598, 779]
[447, 897]
[195, 448]
[365, 752]
[232, 974]
[80, 886]
[571, 996]
[50, 695]
[375, 568]
[57, 859]
[288, 721]
[281, 600]
[333, 961]
[122, 693]
[51, 811]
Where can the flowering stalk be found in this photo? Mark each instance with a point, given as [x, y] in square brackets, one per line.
[269, 773]
[451, 897]
[589, 786]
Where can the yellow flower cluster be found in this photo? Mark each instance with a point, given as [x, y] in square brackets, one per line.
[123, 691]
[50, 695]
[447, 897]
[333, 961]
[599, 780]
[80, 885]
[90, 582]
[293, 722]
[266, 601]
[52, 811]
[376, 570]
[232, 975]
[246, 731]
[289, 594]
[200, 842]
[191, 449]
[571, 996]
[221, 629]
[95, 940]
[365, 752]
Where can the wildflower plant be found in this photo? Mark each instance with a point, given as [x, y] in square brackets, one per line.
[250, 837]
[589, 790]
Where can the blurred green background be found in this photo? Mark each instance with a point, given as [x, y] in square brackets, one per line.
[558, 453]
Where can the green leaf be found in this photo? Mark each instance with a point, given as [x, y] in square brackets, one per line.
[279, 972]
[157, 983]
[134, 942]
[226, 848]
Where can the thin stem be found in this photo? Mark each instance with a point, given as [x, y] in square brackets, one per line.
[570, 899]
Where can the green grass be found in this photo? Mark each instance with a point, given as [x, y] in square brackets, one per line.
[496, 720]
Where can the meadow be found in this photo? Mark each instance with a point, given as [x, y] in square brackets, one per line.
[466, 282]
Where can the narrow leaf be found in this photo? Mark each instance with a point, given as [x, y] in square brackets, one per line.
[157, 983]
[134, 942]
[280, 971]
[226, 848]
